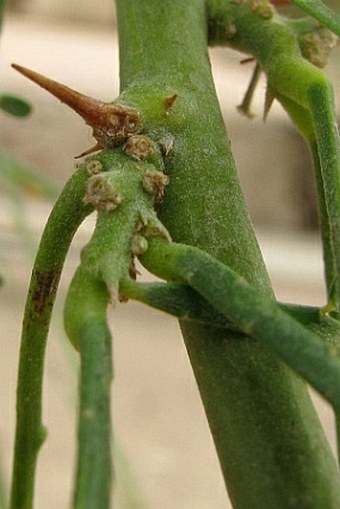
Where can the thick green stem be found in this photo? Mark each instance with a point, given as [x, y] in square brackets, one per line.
[173, 58]
[67, 214]
[269, 441]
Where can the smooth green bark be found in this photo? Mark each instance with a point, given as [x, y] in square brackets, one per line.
[270, 444]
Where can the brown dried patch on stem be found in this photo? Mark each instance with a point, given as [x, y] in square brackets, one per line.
[46, 283]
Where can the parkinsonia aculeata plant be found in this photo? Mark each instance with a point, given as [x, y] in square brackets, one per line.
[163, 183]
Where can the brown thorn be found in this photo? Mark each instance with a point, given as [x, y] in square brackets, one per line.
[244, 107]
[268, 102]
[247, 60]
[94, 112]
[97, 146]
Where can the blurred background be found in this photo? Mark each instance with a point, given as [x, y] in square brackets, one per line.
[166, 457]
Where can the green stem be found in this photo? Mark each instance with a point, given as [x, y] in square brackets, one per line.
[201, 167]
[66, 216]
[318, 10]
[123, 207]
[327, 163]
[307, 95]
[252, 313]
[186, 304]
[248, 394]
[329, 213]
[317, 122]
[94, 476]
[257, 314]
[94, 466]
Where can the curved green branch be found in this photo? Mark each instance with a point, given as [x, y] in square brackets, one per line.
[182, 301]
[67, 214]
[252, 313]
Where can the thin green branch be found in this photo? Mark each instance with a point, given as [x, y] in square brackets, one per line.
[329, 213]
[318, 10]
[316, 119]
[94, 465]
[94, 475]
[318, 126]
[307, 95]
[326, 154]
[67, 214]
[253, 313]
[185, 303]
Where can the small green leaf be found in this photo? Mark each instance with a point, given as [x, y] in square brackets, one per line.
[15, 105]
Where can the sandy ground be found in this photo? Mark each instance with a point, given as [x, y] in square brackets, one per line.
[159, 421]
